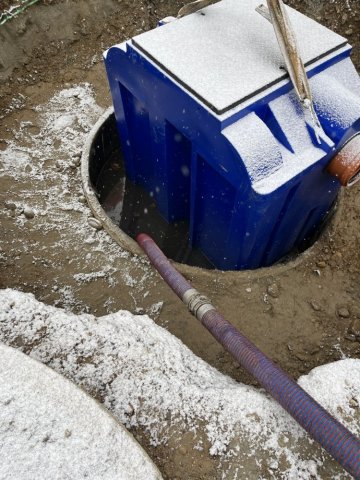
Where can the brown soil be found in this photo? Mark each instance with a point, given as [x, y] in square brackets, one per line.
[302, 315]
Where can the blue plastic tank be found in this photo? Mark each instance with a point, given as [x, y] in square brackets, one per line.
[211, 127]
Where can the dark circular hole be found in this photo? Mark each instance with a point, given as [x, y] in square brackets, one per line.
[134, 210]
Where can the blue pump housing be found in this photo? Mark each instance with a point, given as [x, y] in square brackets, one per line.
[210, 125]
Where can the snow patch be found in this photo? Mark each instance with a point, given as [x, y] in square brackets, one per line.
[147, 378]
[44, 158]
[49, 428]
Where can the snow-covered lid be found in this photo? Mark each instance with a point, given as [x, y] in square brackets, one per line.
[226, 53]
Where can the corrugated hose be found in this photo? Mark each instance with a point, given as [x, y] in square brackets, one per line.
[334, 437]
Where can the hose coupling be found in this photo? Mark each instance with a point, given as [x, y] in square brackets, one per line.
[197, 304]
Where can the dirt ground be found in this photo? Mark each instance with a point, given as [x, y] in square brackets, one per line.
[302, 315]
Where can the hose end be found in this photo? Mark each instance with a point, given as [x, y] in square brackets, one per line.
[141, 238]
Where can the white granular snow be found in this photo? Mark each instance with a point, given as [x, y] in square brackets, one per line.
[336, 94]
[256, 146]
[145, 376]
[50, 429]
[41, 161]
[68, 111]
[231, 51]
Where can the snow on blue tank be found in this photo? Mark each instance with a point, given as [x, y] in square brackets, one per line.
[210, 125]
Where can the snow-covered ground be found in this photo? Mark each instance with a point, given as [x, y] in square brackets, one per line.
[148, 379]
[49, 428]
[52, 203]
[145, 376]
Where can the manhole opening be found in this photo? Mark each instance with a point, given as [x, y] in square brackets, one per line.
[134, 210]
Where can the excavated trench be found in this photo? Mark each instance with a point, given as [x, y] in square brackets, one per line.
[302, 313]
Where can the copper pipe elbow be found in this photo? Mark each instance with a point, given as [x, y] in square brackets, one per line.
[345, 166]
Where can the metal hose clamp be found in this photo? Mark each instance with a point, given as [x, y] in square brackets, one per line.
[197, 303]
